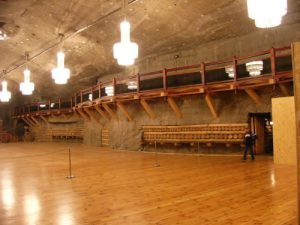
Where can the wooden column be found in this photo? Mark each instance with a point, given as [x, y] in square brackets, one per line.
[296, 71]
[210, 105]
[101, 112]
[175, 107]
[125, 111]
[148, 109]
[253, 95]
[92, 115]
[83, 115]
[110, 111]
[284, 89]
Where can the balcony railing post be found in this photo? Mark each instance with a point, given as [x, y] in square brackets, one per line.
[114, 86]
[99, 89]
[235, 69]
[202, 68]
[59, 104]
[165, 79]
[49, 106]
[273, 62]
[38, 107]
[81, 97]
[138, 80]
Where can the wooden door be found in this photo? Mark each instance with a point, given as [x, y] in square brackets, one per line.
[258, 127]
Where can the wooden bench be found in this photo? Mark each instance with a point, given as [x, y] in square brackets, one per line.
[213, 133]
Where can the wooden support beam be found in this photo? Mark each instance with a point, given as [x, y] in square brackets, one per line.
[175, 107]
[35, 120]
[148, 109]
[125, 111]
[254, 96]
[110, 111]
[83, 115]
[101, 112]
[284, 89]
[28, 122]
[45, 120]
[211, 106]
[92, 115]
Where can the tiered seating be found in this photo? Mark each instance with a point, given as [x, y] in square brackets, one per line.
[67, 133]
[213, 133]
[105, 137]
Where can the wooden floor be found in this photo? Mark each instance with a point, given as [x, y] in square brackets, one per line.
[120, 188]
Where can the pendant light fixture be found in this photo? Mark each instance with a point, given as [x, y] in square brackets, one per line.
[26, 87]
[230, 71]
[125, 51]
[132, 85]
[60, 74]
[254, 68]
[267, 13]
[5, 95]
[109, 91]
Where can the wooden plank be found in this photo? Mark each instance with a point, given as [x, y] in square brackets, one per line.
[44, 119]
[83, 115]
[211, 106]
[284, 89]
[35, 120]
[296, 72]
[92, 115]
[28, 122]
[175, 107]
[110, 111]
[125, 111]
[101, 112]
[148, 109]
[253, 95]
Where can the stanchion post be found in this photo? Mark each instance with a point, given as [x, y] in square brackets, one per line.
[70, 176]
[156, 156]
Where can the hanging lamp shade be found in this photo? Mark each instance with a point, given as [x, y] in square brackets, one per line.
[125, 51]
[254, 68]
[230, 71]
[5, 95]
[60, 74]
[267, 13]
[132, 85]
[27, 87]
[109, 90]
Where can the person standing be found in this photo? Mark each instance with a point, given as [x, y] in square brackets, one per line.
[249, 142]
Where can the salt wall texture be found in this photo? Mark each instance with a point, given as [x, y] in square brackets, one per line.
[231, 107]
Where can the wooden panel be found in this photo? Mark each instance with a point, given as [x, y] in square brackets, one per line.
[284, 130]
[259, 130]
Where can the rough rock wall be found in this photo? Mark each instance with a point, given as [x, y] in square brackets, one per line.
[231, 107]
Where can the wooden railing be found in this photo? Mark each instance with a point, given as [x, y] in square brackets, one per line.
[187, 80]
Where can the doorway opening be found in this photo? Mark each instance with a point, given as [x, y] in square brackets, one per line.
[261, 125]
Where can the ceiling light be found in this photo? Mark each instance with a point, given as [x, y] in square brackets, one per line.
[132, 85]
[4, 94]
[125, 51]
[109, 90]
[254, 68]
[267, 13]
[42, 105]
[60, 74]
[3, 35]
[27, 87]
[230, 71]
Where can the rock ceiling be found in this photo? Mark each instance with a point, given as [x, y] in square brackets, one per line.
[158, 26]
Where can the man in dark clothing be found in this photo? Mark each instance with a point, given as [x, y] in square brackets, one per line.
[249, 142]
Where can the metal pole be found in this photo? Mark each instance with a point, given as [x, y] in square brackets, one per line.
[156, 156]
[70, 166]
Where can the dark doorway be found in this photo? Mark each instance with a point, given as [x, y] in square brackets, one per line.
[261, 125]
